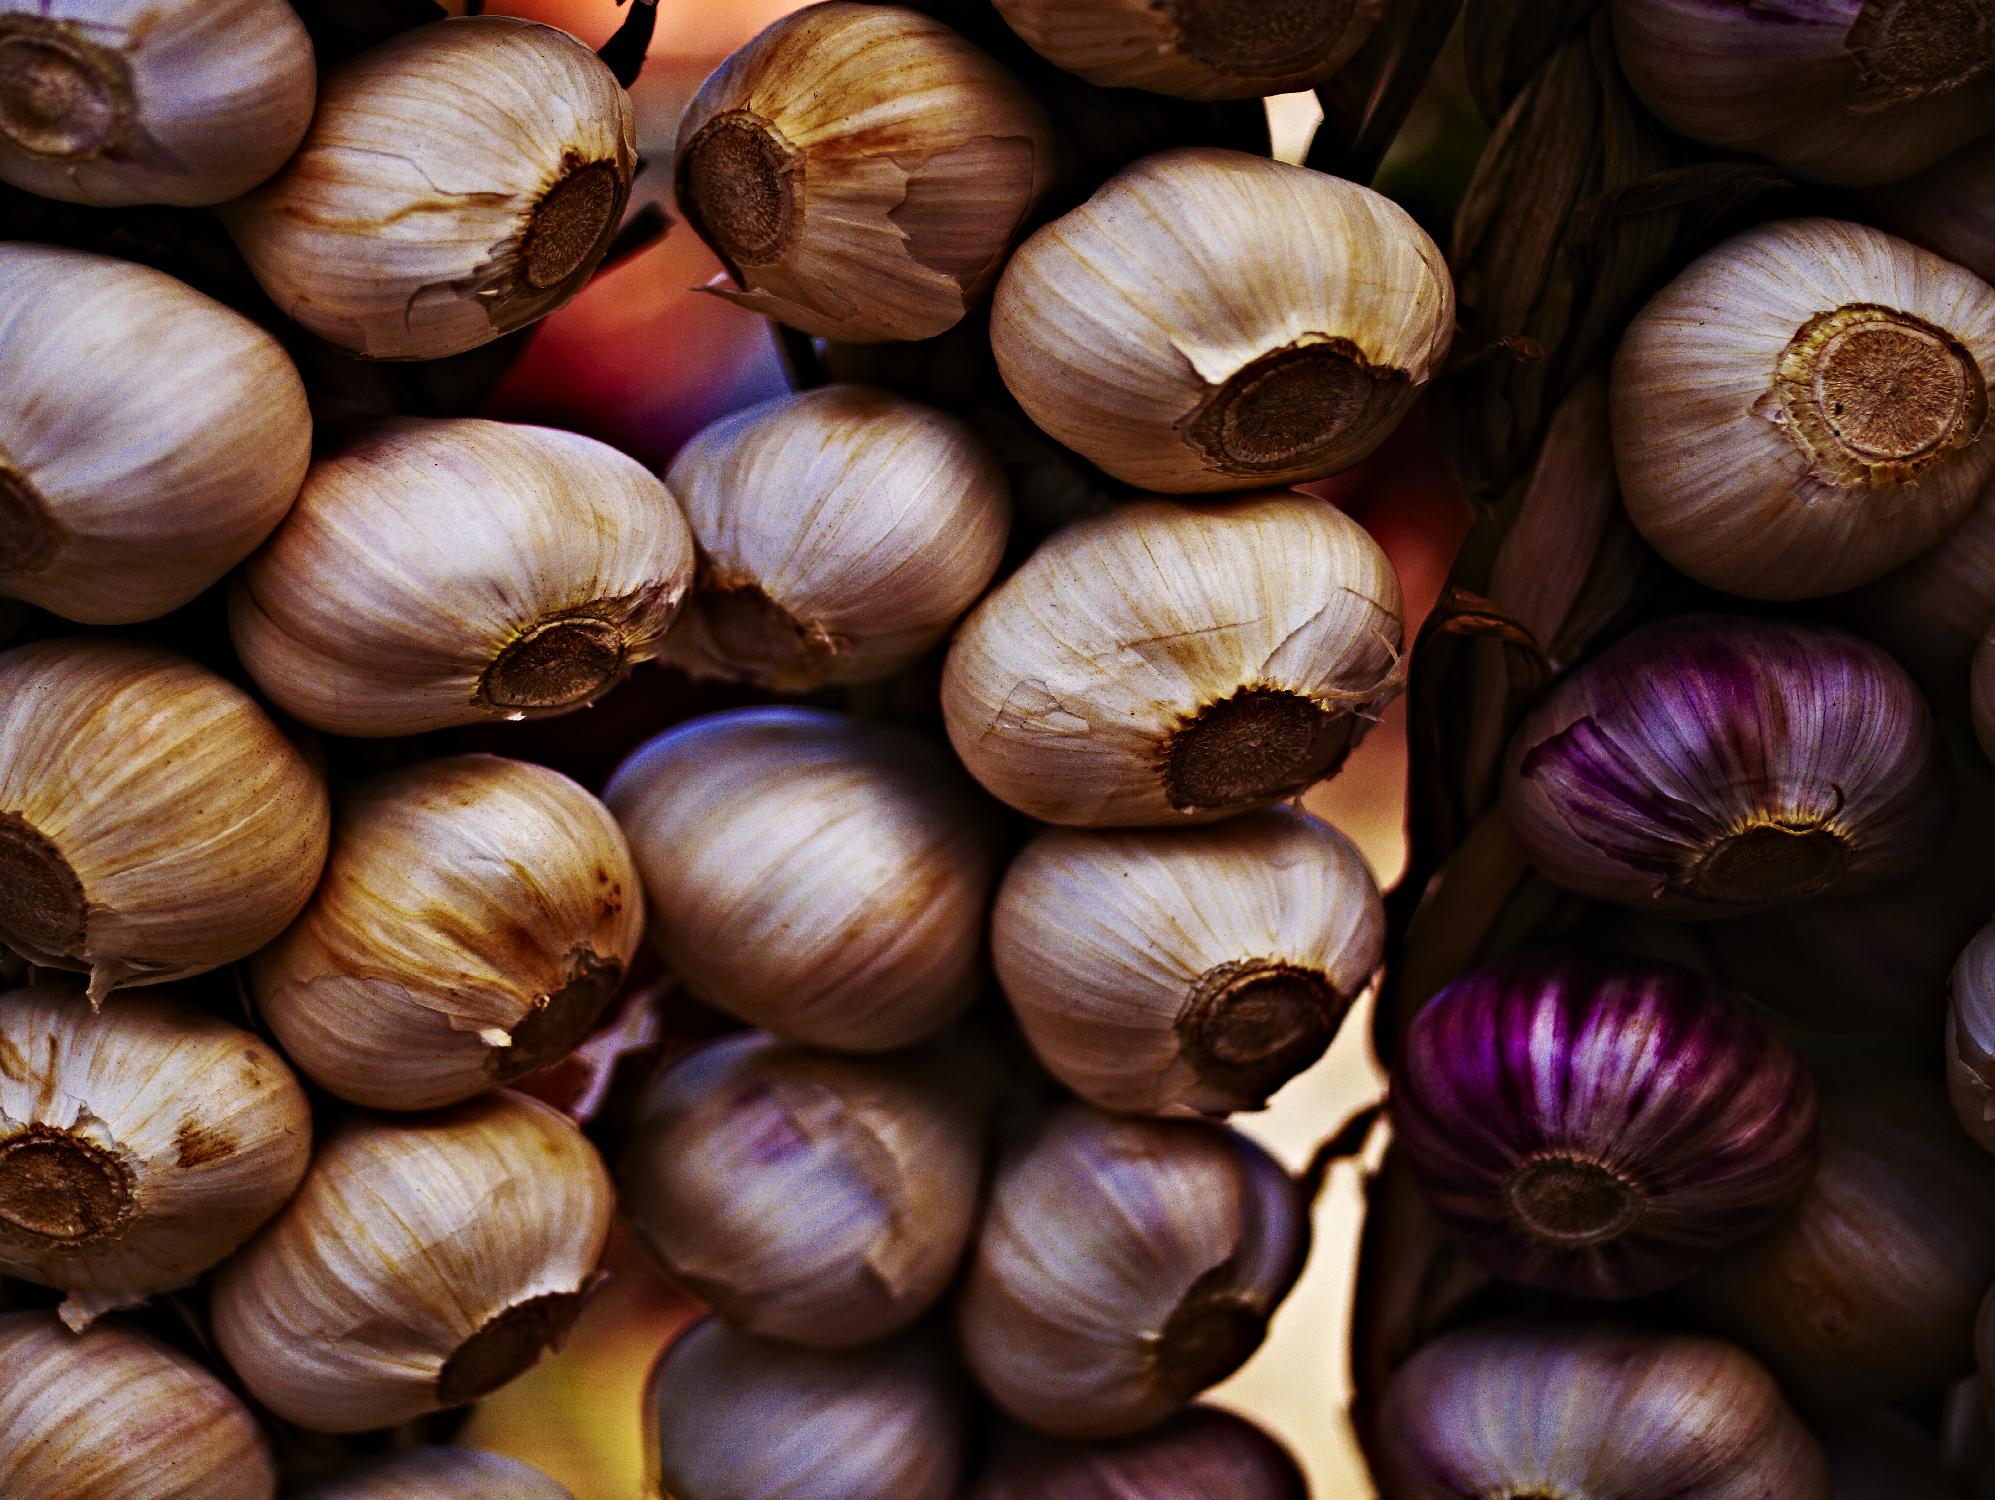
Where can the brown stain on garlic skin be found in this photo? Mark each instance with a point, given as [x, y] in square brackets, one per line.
[196, 1145]
[12, 1063]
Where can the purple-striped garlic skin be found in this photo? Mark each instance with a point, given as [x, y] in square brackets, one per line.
[1202, 1452]
[1970, 1044]
[1600, 1129]
[1706, 766]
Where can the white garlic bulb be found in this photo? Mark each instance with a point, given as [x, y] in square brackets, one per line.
[1211, 320]
[459, 181]
[113, 1414]
[841, 533]
[818, 876]
[439, 1474]
[1199, 968]
[113, 1187]
[475, 917]
[150, 101]
[1165, 662]
[149, 436]
[154, 822]
[424, 1263]
[450, 572]
[1805, 408]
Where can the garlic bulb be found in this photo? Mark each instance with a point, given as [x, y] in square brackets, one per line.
[861, 171]
[113, 1414]
[1866, 1293]
[1196, 49]
[149, 437]
[150, 101]
[1932, 613]
[733, 1417]
[818, 876]
[1805, 408]
[424, 1263]
[1166, 663]
[1705, 766]
[1197, 967]
[450, 572]
[1200, 1453]
[439, 1474]
[475, 917]
[820, 1200]
[1527, 1410]
[1844, 91]
[1123, 1266]
[154, 822]
[1970, 1047]
[459, 181]
[1211, 320]
[841, 533]
[1949, 208]
[1600, 1130]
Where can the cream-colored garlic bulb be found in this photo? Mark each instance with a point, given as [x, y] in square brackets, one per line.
[439, 1474]
[149, 437]
[816, 1199]
[139, 1145]
[1167, 662]
[113, 1414]
[1211, 320]
[459, 181]
[1196, 49]
[1197, 967]
[1970, 1045]
[475, 917]
[154, 822]
[450, 572]
[841, 533]
[150, 101]
[1805, 408]
[423, 1264]
[861, 171]
[821, 877]
[1123, 1266]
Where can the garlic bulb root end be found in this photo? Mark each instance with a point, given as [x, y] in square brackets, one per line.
[570, 222]
[43, 910]
[1571, 1201]
[56, 1188]
[1209, 1335]
[509, 1344]
[29, 536]
[1259, 745]
[1769, 861]
[737, 184]
[1297, 405]
[1256, 39]
[1912, 49]
[556, 663]
[558, 1025]
[61, 95]
[1253, 1026]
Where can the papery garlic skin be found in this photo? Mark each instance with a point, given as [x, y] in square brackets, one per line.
[149, 436]
[460, 180]
[113, 1414]
[461, 571]
[423, 1264]
[1842, 91]
[439, 1474]
[1705, 766]
[1169, 663]
[154, 822]
[1805, 408]
[841, 532]
[187, 102]
[819, 1200]
[1196, 968]
[475, 917]
[818, 876]
[732, 1417]
[1932, 613]
[1970, 1046]
[1123, 1266]
[1200, 1453]
[1212, 320]
[1591, 1413]
[1949, 208]
[1600, 1130]
[861, 171]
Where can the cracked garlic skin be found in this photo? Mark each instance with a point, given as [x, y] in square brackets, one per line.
[1574, 1411]
[154, 822]
[1709, 766]
[426, 1261]
[1169, 663]
[187, 102]
[150, 437]
[1805, 408]
[1970, 1044]
[438, 1474]
[1212, 320]
[1196, 968]
[460, 181]
[1202, 1453]
[475, 918]
[861, 171]
[113, 1414]
[460, 571]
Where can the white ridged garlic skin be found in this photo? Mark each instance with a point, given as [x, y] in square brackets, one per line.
[1970, 1048]
[149, 436]
[439, 1474]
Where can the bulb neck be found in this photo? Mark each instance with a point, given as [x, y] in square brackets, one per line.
[738, 183]
[558, 1024]
[1260, 745]
[751, 632]
[571, 224]
[1292, 409]
[509, 1344]
[1209, 1335]
[1766, 862]
[1571, 1202]
[1250, 1027]
[62, 97]
[1910, 49]
[29, 536]
[43, 911]
[556, 663]
[58, 1190]
[1260, 38]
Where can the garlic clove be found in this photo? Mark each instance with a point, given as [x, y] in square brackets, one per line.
[1970, 1038]
[149, 436]
[1166, 663]
[1201, 1453]
[439, 1474]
